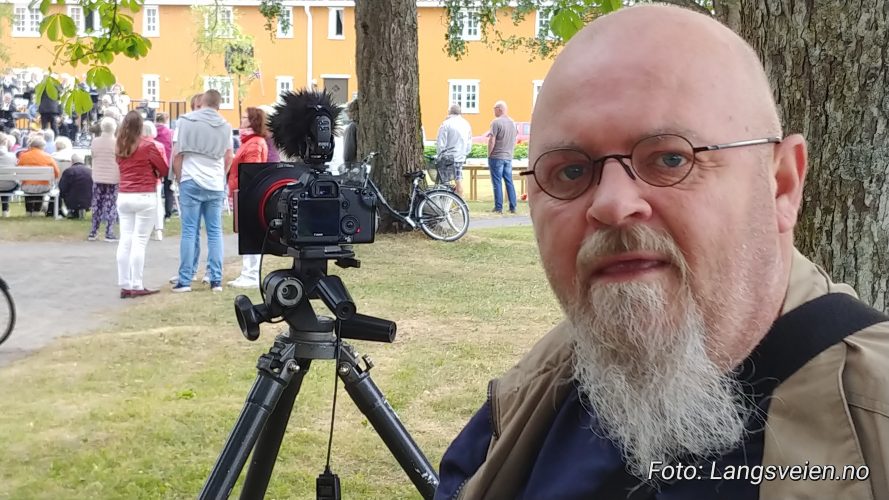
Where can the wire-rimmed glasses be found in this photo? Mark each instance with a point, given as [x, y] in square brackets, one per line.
[660, 160]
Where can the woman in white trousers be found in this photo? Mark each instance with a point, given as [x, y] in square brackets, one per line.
[141, 165]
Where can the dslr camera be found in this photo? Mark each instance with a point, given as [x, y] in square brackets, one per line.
[284, 207]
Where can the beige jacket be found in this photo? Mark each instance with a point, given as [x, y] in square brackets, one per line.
[832, 411]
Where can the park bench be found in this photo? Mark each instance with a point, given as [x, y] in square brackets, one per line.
[20, 174]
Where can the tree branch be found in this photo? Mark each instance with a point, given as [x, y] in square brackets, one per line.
[691, 4]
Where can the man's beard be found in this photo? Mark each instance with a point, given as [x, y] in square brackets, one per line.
[641, 360]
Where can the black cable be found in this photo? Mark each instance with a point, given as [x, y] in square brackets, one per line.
[336, 364]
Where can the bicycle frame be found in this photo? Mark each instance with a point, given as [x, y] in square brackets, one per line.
[404, 217]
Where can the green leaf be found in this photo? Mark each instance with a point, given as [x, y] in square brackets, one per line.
[566, 23]
[125, 23]
[52, 88]
[81, 100]
[44, 6]
[100, 76]
[69, 29]
[610, 5]
[51, 26]
[39, 89]
[67, 103]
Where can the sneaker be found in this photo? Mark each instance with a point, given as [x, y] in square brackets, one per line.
[512, 211]
[91, 237]
[112, 239]
[6, 213]
[495, 211]
[216, 286]
[206, 280]
[175, 279]
[244, 282]
[178, 288]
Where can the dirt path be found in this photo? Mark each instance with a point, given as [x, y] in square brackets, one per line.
[67, 288]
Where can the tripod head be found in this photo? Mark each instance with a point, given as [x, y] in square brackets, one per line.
[287, 293]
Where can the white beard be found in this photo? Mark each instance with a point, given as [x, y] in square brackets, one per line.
[641, 361]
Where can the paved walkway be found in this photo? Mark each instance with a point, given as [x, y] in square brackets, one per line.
[68, 288]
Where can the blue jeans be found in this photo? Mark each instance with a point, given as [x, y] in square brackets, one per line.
[501, 171]
[196, 203]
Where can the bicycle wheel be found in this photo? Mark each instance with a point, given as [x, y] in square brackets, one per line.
[443, 215]
[7, 312]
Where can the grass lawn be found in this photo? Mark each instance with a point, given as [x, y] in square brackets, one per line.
[141, 408]
[18, 227]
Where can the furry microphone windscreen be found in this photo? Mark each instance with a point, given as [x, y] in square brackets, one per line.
[292, 122]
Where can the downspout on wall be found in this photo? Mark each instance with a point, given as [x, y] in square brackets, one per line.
[309, 38]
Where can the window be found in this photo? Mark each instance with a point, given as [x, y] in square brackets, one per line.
[151, 21]
[151, 88]
[469, 25]
[27, 21]
[286, 17]
[224, 85]
[75, 12]
[283, 84]
[464, 93]
[543, 28]
[220, 21]
[537, 84]
[335, 23]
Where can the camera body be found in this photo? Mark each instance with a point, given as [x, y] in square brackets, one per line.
[282, 206]
[325, 212]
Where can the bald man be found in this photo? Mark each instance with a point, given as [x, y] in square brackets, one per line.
[702, 356]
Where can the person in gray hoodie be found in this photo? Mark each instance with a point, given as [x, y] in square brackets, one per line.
[202, 156]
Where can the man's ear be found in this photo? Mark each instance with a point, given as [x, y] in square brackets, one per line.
[790, 165]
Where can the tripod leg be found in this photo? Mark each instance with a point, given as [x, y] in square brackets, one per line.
[266, 452]
[367, 396]
[261, 402]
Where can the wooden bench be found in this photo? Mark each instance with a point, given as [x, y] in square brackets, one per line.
[473, 167]
[20, 174]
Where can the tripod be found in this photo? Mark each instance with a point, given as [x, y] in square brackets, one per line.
[260, 426]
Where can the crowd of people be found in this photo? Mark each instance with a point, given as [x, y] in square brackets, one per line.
[141, 173]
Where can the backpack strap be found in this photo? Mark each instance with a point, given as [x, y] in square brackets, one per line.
[794, 339]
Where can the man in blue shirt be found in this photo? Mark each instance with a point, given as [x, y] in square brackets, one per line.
[664, 200]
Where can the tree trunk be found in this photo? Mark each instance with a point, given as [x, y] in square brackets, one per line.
[827, 62]
[389, 95]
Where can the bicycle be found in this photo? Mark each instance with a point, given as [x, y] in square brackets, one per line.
[7, 312]
[439, 212]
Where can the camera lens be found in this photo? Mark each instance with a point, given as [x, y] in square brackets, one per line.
[349, 224]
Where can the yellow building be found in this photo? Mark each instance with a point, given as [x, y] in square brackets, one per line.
[319, 48]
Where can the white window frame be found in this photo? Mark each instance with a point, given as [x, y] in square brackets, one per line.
[331, 23]
[283, 83]
[30, 21]
[535, 91]
[218, 83]
[75, 12]
[538, 25]
[461, 97]
[289, 32]
[465, 16]
[226, 15]
[156, 32]
[146, 79]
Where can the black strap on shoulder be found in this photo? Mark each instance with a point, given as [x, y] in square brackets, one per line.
[794, 339]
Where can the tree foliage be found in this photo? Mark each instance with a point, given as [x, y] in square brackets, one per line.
[115, 38]
[566, 17]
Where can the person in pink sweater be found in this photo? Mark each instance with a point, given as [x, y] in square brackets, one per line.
[106, 177]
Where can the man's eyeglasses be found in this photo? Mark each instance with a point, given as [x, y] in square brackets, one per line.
[661, 160]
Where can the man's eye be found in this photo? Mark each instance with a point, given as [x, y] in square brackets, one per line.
[572, 172]
[671, 160]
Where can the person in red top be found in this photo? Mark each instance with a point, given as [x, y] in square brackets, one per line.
[254, 149]
[141, 164]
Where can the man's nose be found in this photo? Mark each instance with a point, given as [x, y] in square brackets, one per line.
[617, 198]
